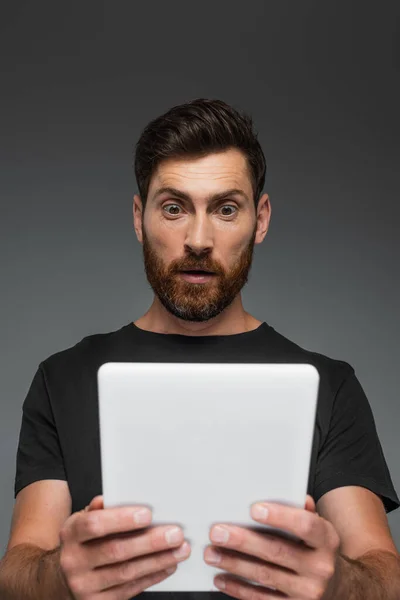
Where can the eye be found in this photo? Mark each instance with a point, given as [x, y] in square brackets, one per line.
[169, 213]
[176, 208]
[228, 206]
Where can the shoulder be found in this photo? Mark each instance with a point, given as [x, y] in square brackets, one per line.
[91, 350]
[332, 371]
[335, 375]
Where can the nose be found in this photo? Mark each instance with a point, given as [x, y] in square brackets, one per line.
[199, 238]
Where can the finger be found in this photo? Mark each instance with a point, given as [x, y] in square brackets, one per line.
[239, 588]
[92, 524]
[96, 503]
[310, 504]
[133, 588]
[137, 544]
[266, 575]
[107, 576]
[308, 526]
[266, 547]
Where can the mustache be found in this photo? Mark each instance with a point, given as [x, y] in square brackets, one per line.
[197, 267]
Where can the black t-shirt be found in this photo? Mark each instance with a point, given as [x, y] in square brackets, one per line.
[59, 437]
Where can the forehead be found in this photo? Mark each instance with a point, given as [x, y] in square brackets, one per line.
[222, 169]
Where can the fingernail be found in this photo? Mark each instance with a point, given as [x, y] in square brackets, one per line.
[212, 556]
[220, 534]
[182, 552]
[142, 516]
[173, 535]
[219, 583]
[259, 512]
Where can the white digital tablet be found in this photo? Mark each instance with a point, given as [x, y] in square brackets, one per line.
[200, 442]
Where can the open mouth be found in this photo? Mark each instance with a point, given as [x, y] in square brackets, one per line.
[196, 272]
[195, 276]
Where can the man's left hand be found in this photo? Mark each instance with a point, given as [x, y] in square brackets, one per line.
[295, 570]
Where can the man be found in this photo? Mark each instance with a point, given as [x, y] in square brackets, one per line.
[200, 211]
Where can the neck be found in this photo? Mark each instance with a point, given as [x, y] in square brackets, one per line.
[232, 320]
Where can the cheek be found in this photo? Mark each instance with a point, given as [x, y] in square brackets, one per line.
[167, 246]
[160, 236]
[232, 249]
[164, 232]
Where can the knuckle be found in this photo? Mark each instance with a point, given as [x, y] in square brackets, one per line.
[127, 572]
[115, 551]
[315, 591]
[278, 551]
[77, 585]
[92, 525]
[324, 569]
[252, 594]
[263, 574]
[306, 525]
[63, 533]
[334, 538]
[67, 562]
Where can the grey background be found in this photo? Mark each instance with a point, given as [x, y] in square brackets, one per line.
[79, 82]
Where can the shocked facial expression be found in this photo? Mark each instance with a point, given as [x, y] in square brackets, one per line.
[198, 233]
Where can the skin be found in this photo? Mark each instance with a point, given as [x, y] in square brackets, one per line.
[197, 234]
[306, 571]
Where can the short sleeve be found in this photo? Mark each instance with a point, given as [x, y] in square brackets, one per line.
[39, 453]
[351, 453]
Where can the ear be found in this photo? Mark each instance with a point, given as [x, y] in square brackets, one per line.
[263, 218]
[137, 210]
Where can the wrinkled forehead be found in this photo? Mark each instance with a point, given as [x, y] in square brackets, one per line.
[204, 176]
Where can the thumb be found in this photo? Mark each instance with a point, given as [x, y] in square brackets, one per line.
[310, 504]
[95, 504]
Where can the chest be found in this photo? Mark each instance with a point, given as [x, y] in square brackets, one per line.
[80, 442]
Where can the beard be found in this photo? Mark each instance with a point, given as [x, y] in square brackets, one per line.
[196, 301]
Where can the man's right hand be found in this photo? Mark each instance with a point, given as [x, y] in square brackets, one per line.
[106, 555]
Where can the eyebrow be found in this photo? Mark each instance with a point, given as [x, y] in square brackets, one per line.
[212, 198]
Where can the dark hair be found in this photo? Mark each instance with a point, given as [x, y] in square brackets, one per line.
[198, 128]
